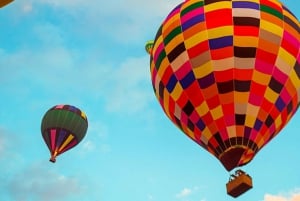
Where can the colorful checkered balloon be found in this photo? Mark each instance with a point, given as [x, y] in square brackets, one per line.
[226, 72]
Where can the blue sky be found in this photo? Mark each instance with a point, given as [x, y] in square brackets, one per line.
[91, 54]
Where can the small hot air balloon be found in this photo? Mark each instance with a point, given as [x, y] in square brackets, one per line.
[227, 73]
[149, 46]
[4, 2]
[63, 127]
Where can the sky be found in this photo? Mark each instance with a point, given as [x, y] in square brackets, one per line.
[91, 54]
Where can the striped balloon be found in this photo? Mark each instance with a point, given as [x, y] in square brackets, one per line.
[226, 72]
[63, 127]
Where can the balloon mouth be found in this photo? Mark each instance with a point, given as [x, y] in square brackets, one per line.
[53, 157]
[236, 156]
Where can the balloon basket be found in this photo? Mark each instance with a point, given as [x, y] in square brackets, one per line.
[52, 159]
[238, 183]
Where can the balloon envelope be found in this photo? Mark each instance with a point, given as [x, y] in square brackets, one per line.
[63, 127]
[4, 2]
[227, 73]
[149, 46]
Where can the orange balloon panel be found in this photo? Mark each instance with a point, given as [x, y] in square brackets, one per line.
[227, 73]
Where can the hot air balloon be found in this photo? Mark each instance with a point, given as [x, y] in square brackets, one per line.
[149, 46]
[226, 72]
[4, 2]
[63, 127]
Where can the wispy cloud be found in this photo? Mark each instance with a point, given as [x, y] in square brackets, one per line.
[8, 141]
[120, 85]
[135, 9]
[91, 146]
[3, 142]
[27, 8]
[184, 193]
[61, 61]
[88, 146]
[291, 196]
[96, 139]
[131, 16]
[32, 181]
[126, 86]
[98, 129]
[39, 183]
[190, 193]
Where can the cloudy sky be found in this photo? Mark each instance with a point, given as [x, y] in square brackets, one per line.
[91, 54]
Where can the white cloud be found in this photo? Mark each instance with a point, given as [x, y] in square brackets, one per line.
[120, 85]
[64, 3]
[27, 8]
[21, 180]
[127, 86]
[184, 193]
[49, 34]
[91, 146]
[291, 196]
[8, 141]
[39, 183]
[3, 142]
[96, 139]
[97, 130]
[53, 61]
[134, 8]
[124, 21]
[88, 146]
[189, 194]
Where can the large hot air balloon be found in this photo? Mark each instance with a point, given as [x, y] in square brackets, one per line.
[63, 127]
[4, 2]
[226, 72]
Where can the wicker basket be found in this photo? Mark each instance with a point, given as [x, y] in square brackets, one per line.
[239, 185]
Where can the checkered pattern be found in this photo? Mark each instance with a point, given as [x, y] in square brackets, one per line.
[226, 72]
